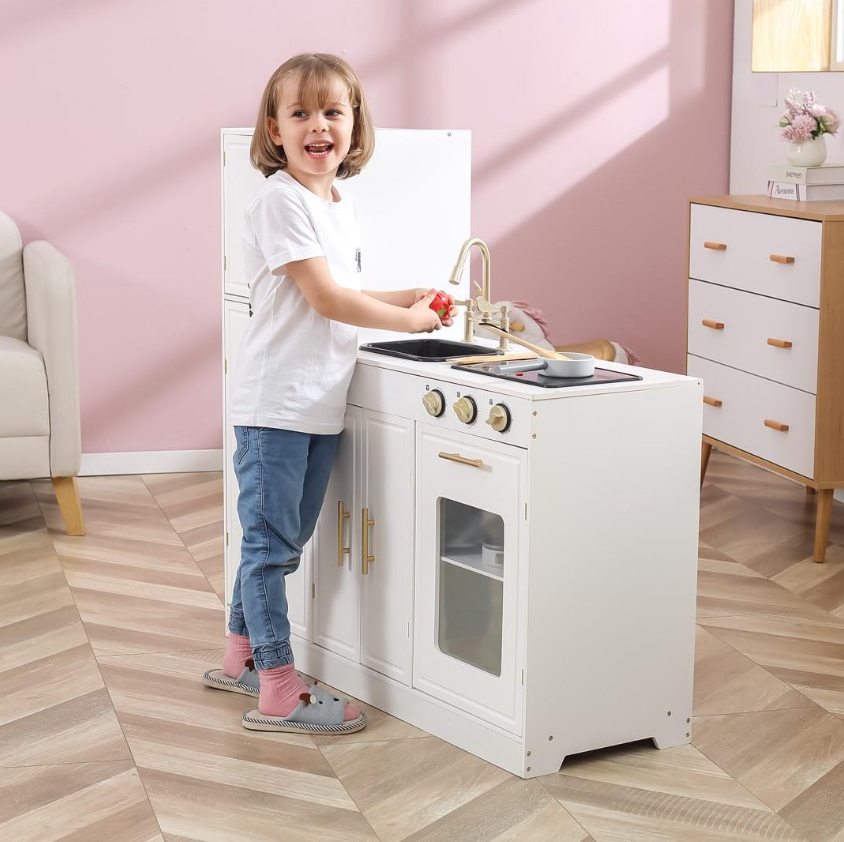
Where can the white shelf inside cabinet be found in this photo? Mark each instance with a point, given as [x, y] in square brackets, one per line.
[469, 559]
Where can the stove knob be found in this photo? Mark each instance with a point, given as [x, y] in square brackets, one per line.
[499, 418]
[434, 402]
[466, 410]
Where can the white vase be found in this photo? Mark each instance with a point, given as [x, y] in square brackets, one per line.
[807, 153]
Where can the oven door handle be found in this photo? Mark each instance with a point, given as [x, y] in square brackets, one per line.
[463, 460]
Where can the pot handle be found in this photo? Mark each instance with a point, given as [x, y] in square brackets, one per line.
[513, 368]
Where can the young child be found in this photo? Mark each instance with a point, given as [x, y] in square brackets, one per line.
[303, 262]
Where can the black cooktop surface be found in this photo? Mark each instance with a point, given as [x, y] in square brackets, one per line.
[534, 378]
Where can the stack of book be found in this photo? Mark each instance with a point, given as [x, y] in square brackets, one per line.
[806, 184]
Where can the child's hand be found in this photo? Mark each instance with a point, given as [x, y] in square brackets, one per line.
[448, 319]
[421, 317]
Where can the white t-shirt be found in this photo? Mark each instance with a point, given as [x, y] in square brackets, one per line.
[295, 365]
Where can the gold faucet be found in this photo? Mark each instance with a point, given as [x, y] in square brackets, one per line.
[479, 310]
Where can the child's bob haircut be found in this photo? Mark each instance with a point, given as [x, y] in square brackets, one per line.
[316, 72]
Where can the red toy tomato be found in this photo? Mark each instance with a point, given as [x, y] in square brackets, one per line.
[440, 305]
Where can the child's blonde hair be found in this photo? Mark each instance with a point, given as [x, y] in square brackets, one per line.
[316, 72]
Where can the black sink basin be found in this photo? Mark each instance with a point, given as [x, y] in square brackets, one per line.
[428, 350]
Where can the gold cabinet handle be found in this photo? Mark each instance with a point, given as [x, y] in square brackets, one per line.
[780, 343]
[716, 402]
[365, 523]
[713, 325]
[776, 425]
[341, 550]
[781, 258]
[715, 246]
[463, 460]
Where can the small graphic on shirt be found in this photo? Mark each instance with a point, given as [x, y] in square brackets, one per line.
[357, 258]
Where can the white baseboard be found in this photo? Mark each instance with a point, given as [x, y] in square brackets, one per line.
[150, 462]
[839, 495]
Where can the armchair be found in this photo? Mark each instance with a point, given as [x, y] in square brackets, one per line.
[39, 381]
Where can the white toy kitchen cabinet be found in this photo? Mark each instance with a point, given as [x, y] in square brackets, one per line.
[503, 562]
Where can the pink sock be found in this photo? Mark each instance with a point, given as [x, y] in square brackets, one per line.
[238, 650]
[281, 688]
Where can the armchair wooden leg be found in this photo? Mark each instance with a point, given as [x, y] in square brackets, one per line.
[822, 522]
[705, 453]
[70, 506]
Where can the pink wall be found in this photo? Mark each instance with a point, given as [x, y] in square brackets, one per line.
[592, 123]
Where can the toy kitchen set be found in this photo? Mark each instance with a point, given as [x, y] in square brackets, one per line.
[504, 559]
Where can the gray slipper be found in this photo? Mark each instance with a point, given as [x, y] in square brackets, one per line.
[247, 682]
[318, 712]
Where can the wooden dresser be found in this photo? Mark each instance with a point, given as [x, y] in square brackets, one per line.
[765, 332]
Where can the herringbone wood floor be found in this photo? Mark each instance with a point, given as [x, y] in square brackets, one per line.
[107, 734]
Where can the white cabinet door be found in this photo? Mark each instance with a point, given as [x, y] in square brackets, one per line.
[235, 323]
[241, 183]
[387, 447]
[336, 614]
[468, 499]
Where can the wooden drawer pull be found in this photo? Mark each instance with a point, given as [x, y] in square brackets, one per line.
[716, 402]
[715, 246]
[781, 258]
[713, 325]
[780, 343]
[776, 425]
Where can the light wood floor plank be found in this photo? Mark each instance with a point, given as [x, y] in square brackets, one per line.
[683, 771]
[403, 786]
[212, 812]
[776, 755]
[521, 811]
[728, 682]
[806, 654]
[92, 801]
[632, 814]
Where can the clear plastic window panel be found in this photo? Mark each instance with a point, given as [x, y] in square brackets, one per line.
[471, 585]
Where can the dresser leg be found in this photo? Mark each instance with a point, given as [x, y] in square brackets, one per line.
[705, 453]
[822, 522]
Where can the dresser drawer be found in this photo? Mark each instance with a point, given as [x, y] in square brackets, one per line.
[735, 249]
[748, 331]
[747, 402]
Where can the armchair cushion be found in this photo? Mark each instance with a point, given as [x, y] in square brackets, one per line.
[12, 300]
[24, 406]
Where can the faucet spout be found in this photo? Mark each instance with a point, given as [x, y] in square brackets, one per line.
[461, 260]
[472, 314]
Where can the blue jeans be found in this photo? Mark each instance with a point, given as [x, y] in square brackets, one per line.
[283, 476]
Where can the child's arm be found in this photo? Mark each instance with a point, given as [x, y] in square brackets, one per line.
[397, 297]
[334, 302]
[409, 297]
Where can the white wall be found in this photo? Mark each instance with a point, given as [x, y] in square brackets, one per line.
[757, 107]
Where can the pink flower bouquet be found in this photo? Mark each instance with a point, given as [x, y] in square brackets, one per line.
[805, 119]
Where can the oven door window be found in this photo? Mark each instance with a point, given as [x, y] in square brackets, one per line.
[471, 585]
